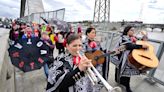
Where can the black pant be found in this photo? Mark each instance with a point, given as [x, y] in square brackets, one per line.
[122, 80]
[125, 81]
[105, 69]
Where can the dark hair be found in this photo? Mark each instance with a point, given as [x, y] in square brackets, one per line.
[71, 38]
[89, 30]
[126, 30]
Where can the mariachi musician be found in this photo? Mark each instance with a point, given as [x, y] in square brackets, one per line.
[124, 70]
[67, 71]
[90, 46]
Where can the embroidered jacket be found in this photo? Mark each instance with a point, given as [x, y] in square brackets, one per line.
[126, 69]
[64, 76]
[88, 48]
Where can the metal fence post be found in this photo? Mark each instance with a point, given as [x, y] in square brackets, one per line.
[151, 78]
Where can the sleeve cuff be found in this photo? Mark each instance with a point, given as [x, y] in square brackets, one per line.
[77, 74]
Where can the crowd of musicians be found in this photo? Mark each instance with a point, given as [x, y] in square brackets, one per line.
[67, 71]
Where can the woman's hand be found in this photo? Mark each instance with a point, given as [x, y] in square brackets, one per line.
[84, 63]
[144, 46]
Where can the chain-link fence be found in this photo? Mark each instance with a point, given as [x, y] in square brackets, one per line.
[36, 17]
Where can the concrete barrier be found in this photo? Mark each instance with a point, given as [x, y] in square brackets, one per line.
[7, 74]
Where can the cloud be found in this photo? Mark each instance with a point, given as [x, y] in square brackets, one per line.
[153, 1]
[125, 9]
[156, 4]
[78, 10]
[9, 8]
[10, 3]
[50, 5]
[154, 7]
[83, 3]
[152, 11]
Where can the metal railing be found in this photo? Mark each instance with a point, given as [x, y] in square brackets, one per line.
[49, 15]
[151, 76]
[110, 39]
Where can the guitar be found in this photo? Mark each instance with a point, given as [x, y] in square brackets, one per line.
[143, 59]
[98, 56]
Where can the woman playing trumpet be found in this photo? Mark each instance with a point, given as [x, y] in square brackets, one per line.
[67, 71]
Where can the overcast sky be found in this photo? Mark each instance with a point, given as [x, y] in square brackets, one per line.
[149, 11]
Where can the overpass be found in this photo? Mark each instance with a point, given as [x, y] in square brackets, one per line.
[143, 25]
[153, 26]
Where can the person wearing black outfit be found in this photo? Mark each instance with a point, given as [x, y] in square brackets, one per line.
[45, 38]
[124, 71]
[59, 42]
[91, 45]
[67, 71]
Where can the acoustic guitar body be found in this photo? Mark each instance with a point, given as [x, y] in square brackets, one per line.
[92, 56]
[143, 59]
[98, 56]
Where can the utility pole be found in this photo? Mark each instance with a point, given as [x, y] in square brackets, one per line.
[101, 11]
[22, 9]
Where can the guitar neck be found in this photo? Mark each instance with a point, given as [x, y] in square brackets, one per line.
[112, 53]
[107, 54]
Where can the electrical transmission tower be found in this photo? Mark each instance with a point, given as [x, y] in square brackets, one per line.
[101, 11]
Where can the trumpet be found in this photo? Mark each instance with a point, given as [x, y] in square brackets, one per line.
[90, 73]
[94, 80]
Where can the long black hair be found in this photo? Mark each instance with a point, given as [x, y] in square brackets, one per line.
[89, 30]
[126, 30]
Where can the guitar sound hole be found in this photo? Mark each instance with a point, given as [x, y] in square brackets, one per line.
[145, 57]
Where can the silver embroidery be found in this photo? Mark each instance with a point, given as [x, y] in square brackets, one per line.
[43, 52]
[39, 44]
[69, 59]
[53, 72]
[19, 46]
[29, 41]
[56, 65]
